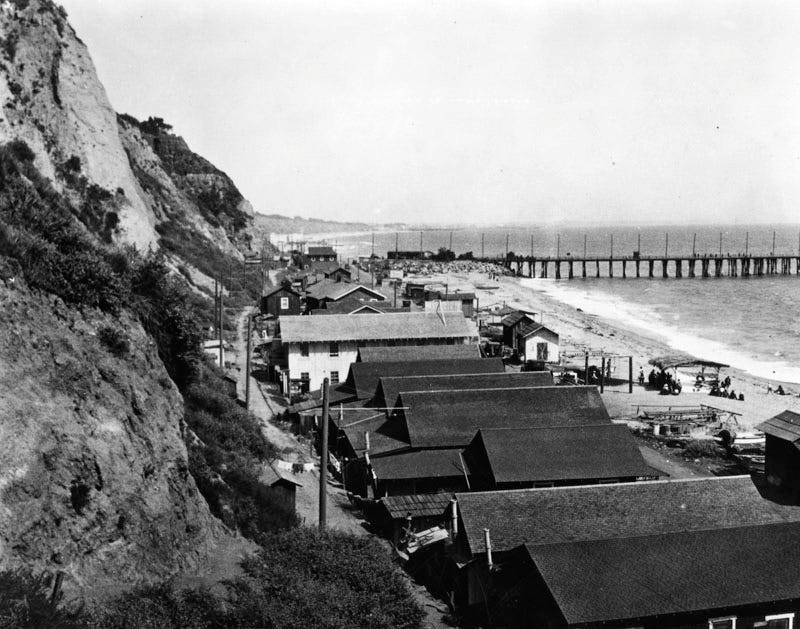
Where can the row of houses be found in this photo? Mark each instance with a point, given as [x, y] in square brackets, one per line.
[524, 505]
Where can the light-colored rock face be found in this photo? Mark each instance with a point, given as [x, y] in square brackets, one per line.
[52, 99]
[163, 195]
[94, 479]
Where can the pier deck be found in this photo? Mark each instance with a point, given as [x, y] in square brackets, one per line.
[701, 265]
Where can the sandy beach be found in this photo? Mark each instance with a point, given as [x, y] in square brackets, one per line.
[582, 330]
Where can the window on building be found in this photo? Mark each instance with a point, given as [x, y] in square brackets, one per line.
[284, 303]
[304, 349]
[334, 348]
[541, 351]
[780, 621]
[334, 377]
[729, 622]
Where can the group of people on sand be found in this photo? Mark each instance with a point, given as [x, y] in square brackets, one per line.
[662, 380]
[779, 390]
[724, 389]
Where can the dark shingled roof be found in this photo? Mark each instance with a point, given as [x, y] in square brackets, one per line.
[421, 506]
[562, 453]
[515, 317]
[657, 575]
[363, 377]
[544, 516]
[526, 329]
[420, 352]
[784, 426]
[390, 387]
[422, 464]
[451, 418]
[384, 435]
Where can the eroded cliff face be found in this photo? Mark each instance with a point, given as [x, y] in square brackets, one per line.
[94, 479]
[136, 181]
[51, 98]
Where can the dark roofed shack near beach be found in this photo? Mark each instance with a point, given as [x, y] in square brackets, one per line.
[281, 301]
[782, 450]
[523, 524]
[451, 418]
[394, 513]
[419, 472]
[390, 387]
[511, 324]
[364, 377]
[741, 577]
[554, 456]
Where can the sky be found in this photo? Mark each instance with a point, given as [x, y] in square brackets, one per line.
[463, 111]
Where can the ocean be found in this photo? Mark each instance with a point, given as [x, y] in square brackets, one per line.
[752, 323]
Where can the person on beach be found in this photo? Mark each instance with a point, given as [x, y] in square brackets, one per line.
[769, 387]
[641, 377]
[780, 390]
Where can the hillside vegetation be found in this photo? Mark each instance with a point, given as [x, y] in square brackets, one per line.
[44, 247]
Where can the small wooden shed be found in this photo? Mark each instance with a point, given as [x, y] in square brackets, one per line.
[782, 453]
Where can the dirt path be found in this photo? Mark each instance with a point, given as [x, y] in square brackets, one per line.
[266, 404]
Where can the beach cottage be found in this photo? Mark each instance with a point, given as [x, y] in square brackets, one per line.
[538, 343]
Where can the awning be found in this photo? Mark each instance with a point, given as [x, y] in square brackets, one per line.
[672, 361]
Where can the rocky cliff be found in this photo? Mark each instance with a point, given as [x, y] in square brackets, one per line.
[94, 476]
[131, 182]
[94, 479]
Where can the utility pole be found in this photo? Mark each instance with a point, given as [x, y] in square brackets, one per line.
[612, 246]
[247, 364]
[584, 246]
[639, 243]
[396, 245]
[558, 245]
[323, 460]
[481, 245]
[694, 243]
[773, 243]
[221, 325]
[506, 246]
[720, 243]
[373, 244]
[216, 305]
[531, 245]
[746, 243]
[666, 245]
[451, 241]
[420, 244]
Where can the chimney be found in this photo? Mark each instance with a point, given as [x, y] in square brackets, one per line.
[488, 542]
[453, 518]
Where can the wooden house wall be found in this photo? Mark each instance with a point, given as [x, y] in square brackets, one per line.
[782, 464]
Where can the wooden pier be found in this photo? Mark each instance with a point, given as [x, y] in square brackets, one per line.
[569, 267]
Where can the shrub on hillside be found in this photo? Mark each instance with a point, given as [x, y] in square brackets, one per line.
[114, 339]
[26, 602]
[227, 465]
[302, 578]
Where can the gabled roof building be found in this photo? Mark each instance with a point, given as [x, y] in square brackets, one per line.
[319, 347]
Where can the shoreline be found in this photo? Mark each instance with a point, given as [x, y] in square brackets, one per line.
[580, 329]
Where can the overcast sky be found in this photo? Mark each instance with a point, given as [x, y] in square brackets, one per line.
[486, 111]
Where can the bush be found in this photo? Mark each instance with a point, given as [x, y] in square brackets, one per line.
[302, 578]
[158, 606]
[25, 601]
[233, 450]
[703, 448]
[114, 339]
